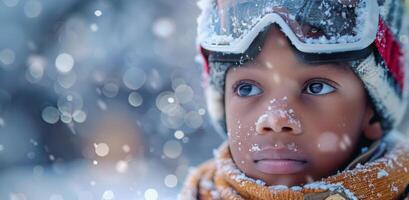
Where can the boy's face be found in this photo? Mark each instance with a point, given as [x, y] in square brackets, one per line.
[290, 122]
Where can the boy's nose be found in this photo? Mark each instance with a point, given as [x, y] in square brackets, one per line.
[278, 121]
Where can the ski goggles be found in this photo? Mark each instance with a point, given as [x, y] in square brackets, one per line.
[312, 26]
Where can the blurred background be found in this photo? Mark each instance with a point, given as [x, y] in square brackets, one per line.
[100, 99]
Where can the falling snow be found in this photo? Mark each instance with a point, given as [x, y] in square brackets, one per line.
[101, 100]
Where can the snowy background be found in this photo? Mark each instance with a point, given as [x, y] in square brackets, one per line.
[99, 99]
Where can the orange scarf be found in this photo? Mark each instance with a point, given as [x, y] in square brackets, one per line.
[384, 178]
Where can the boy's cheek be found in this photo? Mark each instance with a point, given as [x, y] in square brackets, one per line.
[323, 162]
[331, 134]
[241, 153]
[330, 144]
[240, 134]
[241, 121]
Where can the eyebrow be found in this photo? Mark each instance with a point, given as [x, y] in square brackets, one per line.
[341, 67]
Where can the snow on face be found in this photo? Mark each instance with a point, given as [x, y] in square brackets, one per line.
[279, 110]
[290, 146]
[254, 148]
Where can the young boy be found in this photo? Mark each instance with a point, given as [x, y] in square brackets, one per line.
[309, 94]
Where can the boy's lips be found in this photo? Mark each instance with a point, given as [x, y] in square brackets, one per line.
[279, 161]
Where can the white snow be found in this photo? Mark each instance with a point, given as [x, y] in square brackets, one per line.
[281, 110]
[261, 119]
[206, 184]
[164, 27]
[292, 147]
[296, 188]
[394, 188]
[254, 148]
[278, 187]
[382, 173]
[98, 13]
[101, 149]
[64, 63]
[260, 182]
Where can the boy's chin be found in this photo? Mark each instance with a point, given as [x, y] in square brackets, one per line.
[287, 180]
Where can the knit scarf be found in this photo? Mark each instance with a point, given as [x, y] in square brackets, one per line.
[219, 178]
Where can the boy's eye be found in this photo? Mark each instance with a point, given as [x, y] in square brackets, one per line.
[319, 88]
[247, 89]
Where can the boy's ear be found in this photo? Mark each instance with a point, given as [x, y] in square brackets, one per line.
[372, 126]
